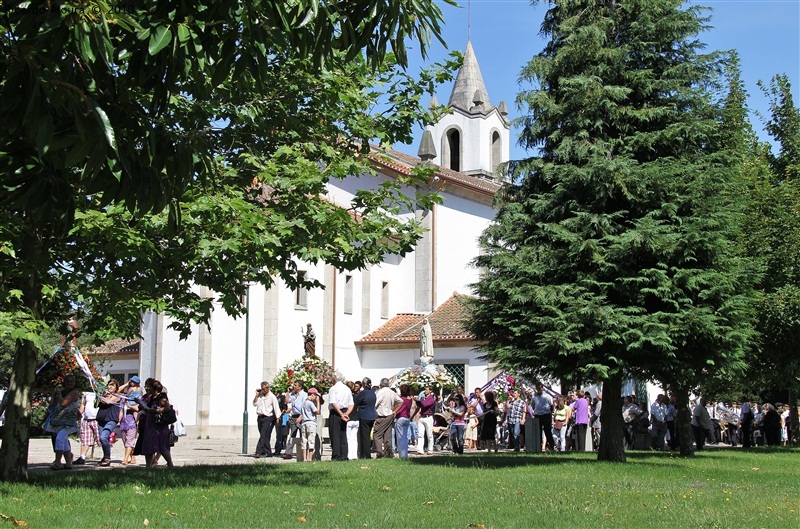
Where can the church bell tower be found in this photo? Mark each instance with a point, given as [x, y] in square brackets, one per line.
[474, 138]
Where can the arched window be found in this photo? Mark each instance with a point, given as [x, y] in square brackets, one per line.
[497, 150]
[451, 150]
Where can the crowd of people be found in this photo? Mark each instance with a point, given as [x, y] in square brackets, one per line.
[144, 420]
[367, 420]
[385, 421]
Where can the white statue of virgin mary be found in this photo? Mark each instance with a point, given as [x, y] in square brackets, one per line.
[426, 343]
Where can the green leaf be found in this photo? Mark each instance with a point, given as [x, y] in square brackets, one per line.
[44, 134]
[183, 34]
[159, 40]
[108, 130]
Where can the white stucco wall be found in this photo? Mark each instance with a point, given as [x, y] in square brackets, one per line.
[179, 370]
[120, 366]
[459, 224]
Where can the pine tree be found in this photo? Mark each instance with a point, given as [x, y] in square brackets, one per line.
[611, 251]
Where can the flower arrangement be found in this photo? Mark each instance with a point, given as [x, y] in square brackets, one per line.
[311, 371]
[63, 363]
[419, 376]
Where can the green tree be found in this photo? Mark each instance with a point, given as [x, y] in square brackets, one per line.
[713, 336]
[773, 239]
[147, 152]
[611, 250]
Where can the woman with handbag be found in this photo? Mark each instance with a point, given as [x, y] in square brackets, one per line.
[65, 409]
[154, 424]
[561, 416]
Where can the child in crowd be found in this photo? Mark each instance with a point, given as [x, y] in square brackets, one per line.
[308, 426]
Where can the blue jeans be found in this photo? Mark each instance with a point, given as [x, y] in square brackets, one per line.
[105, 432]
[513, 435]
[401, 433]
[457, 437]
[61, 441]
[413, 431]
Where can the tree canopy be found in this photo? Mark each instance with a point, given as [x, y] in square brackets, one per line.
[613, 248]
[772, 239]
[147, 152]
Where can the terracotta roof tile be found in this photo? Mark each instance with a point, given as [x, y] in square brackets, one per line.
[403, 163]
[447, 323]
[112, 347]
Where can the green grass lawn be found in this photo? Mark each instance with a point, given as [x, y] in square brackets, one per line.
[717, 489]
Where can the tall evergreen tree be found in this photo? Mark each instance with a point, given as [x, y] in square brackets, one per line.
[611, 250]
[773, 239]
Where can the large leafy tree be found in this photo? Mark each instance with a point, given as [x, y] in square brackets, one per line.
[611, 251]
[150, 151]
[772, 238]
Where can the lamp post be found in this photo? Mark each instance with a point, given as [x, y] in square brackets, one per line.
[246, 364]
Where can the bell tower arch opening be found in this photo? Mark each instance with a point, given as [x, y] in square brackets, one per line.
[497, 150]
[451, 149]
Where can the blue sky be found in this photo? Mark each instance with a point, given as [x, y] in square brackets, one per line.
[505, 35]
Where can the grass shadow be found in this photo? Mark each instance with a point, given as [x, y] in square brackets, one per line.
[260, 475]
[527, 460]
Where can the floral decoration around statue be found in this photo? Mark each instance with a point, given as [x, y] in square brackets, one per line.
[311, 371]
[422, 375]
[65, 362]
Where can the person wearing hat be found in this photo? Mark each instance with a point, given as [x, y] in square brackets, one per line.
[268, 411]
[308, 426]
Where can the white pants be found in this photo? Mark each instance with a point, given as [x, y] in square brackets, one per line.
[352, 439]
[425, 431]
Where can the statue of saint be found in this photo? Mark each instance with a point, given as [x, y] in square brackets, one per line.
[426, 343]
[309, 341]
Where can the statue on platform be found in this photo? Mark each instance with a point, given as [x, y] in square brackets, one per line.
[309, 341]
[426, 343]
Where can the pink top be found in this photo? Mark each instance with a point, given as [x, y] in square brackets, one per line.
[405, 408]
[459, 419]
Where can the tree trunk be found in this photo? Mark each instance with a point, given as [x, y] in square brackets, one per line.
[612, 435]
[683, 423]
[14, 452]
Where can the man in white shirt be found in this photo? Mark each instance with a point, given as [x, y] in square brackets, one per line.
[268, 411]
[658, 421]
[386, 402]
[340, 406]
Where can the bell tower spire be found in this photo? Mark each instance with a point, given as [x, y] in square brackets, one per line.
[474, 138]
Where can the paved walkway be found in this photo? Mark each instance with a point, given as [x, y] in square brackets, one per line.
[185, 452]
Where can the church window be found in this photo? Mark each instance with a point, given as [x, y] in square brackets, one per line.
[348, 294]
[452, 150]
[301, 294]
[458, 372]
[385, 300]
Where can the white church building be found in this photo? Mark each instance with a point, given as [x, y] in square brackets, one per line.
[366, 321]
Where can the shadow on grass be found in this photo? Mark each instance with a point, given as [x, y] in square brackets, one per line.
[650, 457]
[531, 460]
[188, 476]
